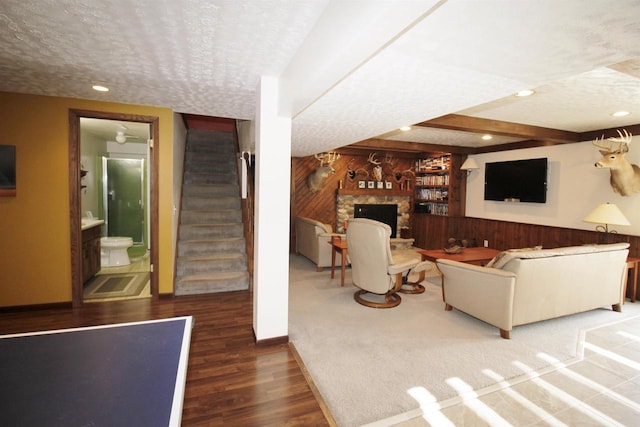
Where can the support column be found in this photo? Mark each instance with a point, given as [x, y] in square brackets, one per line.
[272, 200]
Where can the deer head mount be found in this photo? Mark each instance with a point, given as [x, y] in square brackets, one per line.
[377, 169]
[352, 173]
[625, 177]
[316, 179]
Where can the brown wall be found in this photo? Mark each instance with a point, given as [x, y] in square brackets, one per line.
[432, 232]
[322, 204]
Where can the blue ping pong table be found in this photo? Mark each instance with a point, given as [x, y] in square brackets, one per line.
[128, 374]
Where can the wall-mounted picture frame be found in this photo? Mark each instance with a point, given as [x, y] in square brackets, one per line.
[7, 170]
[371, 184]
[362, 184]
[388, 185]
[380, 185]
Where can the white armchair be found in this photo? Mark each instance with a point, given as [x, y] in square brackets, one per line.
[373, 267]
[312, 241]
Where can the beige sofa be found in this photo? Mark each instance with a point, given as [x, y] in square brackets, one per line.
[525, 286]
[312, 241]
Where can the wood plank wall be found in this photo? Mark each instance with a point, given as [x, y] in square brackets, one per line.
[322, 204]
[431, 232]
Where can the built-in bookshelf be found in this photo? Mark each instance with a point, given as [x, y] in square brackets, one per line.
[432, 185]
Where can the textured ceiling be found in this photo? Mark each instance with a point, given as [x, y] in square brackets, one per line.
[350, 70]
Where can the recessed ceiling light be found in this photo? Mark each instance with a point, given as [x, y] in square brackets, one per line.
[100, 88]
[620, 113]
[405, 128]
[487, 137]
[526, 92]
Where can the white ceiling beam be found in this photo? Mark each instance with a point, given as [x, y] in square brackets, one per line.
[347, 35]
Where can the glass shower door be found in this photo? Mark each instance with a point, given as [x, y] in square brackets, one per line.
[123, 183]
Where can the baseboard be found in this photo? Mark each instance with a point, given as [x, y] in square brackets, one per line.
[31, 307]
[270, 341]
[166, 296]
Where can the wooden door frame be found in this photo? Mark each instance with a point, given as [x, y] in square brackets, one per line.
[75, 196]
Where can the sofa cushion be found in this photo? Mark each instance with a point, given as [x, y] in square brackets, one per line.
[503, 258]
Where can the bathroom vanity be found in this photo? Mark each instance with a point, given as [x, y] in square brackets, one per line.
[91, 233]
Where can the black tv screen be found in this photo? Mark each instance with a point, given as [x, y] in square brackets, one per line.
[516, 181]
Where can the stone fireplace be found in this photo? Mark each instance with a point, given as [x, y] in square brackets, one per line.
[346, 200]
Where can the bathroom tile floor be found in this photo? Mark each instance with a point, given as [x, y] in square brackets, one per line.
[138, 265]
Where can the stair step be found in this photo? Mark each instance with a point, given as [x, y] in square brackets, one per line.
[223, 262]
[192, 177]
[211, 157]
[210, 203]
[211, 231]
[203, 166]
[211, 217]
[211, 190]
[212, 283]
[196, 136]
[205, 247]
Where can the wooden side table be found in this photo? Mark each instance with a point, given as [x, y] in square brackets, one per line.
[632, 273]
[338, 245]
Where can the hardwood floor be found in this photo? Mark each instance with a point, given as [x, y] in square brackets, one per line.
[230, 381]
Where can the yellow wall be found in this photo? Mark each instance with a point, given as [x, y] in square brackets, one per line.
[35, 248]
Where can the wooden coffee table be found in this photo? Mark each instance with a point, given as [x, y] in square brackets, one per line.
[477, 256]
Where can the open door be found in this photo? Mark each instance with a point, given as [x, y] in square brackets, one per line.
[75, 197]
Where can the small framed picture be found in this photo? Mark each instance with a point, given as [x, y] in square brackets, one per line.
[371, 184]
[380, 185]
[388, 185]
[362, 184]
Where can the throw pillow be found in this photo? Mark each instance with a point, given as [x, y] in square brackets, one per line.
[504, 257]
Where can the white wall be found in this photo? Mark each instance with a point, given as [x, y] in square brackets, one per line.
[575, 188]
[91, 149]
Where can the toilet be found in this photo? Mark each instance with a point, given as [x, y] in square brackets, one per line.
[113, 251]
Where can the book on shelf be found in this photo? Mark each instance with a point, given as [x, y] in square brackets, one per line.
[433, 164]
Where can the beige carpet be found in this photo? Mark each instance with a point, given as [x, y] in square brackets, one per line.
[115, 285]
[365, 361]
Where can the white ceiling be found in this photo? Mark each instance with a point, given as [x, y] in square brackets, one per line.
[348, 70]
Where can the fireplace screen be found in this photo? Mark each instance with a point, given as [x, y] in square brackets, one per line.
[383, 213]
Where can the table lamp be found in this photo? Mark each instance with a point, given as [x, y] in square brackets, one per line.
[607, 214]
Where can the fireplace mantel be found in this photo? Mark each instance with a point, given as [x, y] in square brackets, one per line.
[372, 192]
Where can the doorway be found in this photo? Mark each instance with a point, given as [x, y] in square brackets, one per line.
[141, 203]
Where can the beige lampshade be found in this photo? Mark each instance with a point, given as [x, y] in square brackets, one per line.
[607, 213]
[469, 164]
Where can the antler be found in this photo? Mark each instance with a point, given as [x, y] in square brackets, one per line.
[326, 158]
[372, 159]
[623, 142]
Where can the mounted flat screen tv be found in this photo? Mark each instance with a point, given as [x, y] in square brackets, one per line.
[516, 181]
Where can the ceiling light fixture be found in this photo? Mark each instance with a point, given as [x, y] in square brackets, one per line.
[487, 137]
[120, 137]
[526, 92]
[620, 113]
[405, 128]
[100, 88]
